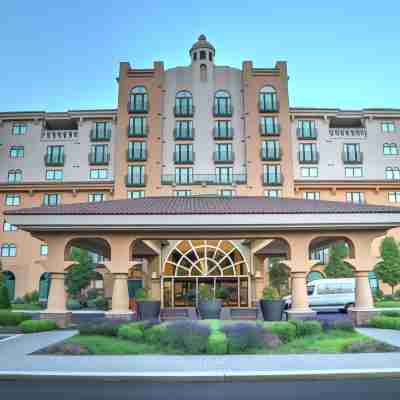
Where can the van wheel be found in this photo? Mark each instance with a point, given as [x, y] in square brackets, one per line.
[347, 306]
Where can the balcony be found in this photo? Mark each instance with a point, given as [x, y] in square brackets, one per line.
[184, 134]
[352, 158]
[183, 158]
[223, 157]
[272, 179]
[223, 134]
[138, 108]
[307, 134]
[138, 133]
[135, 180]
[99, 159]
[100, 135]
[132, 155]
[275, 131]
[184, 111]
[207, 179]
[52, 161]
[308, 158]
[222, 111]
[355, 132]
[271, 155]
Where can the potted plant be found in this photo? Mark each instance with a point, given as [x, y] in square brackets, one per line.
[147, 308]
[272, 304]
[209, 306]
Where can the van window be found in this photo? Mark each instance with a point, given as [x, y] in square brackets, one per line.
[328, 288]
[310, 289]
[346, 288]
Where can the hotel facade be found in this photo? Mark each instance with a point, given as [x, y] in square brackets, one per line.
[214, 138]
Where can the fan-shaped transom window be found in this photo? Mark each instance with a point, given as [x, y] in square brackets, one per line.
[268, 99]
[138, 100]
[222, 104]
[184, 104]
[205, 258]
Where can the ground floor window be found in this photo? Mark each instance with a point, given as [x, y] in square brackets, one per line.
[9, 279]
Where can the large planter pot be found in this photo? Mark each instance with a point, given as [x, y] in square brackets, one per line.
[272, 309]
[148, 309]
[210, 309]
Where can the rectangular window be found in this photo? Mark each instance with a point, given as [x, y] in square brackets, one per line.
[355, 197]
[98, 174]
[44, 250]
[223, 152]
[308, 153]
[353, 172]
[8, 250]
[388, 127]
[390, 149]
[183, 130]
[101, 131]
[9, 227]
[17, 152]
[19, 129]
[137, 151]
[184, 107]
[273, 194]
[394, 197]
[136, 194]
[55, 155]
[183, 176]
[392, 173]
[309, 172]
[272, 175]
[51, 199]
[138, 126]
[269, 126]
[226, 193]
[54, 175]
[183, 153]
[15, 176]
[96, 197]
[136, 175]
[183, 193]
[270, 150]
[352, 153]
[99, 154]
[306, 129]
[311, 195]
[224, 175]
[13, 199]
[223, 130]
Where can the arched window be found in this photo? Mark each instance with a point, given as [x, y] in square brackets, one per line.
[222, 104]
[138, 100]
[268, 100]
[14, 176]
[8, 250]
[184, 104]
[9, 280]
[390, 149]
[203, 73]
[392, 173]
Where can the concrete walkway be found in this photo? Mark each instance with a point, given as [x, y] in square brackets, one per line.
[15, 361]
[383, 335]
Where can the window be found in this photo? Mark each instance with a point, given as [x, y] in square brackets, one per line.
[44, 250]
[210, 56]
[55, 155]
[136, 194]
[99, 154]
[223, 130]
[14, 176]
[355, 197]
[269, 126]
[138, 100]
[13, 199]
[353, 172]
[388, 127]
[273, 194]
[183, 193]
[138, 127]
[184, 104]
[195, 56]
[17, 152]
[226, 193]
[101, 131]
[183, 153]
[394, 197]
[183, 176]
[308, 153]
[9, 227]
[268, 100]
[224, 175]
[392, 173]
[183, 130]
[51, 199]
[311, 195]
[222, 104]
[309, 172]
[223, 152]
[352, 153]
[270, 150]
[137, 151]
[272, 175]
[96, 197]
[54, 175]
[8, 250]
[306, 129]
[97, 174]
[390, 149]
[19, 129]
[136, 175]
[203, 73]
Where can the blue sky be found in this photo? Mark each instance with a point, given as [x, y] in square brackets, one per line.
[58, 55]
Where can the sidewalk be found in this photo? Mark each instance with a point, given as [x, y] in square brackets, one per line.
[15, 362]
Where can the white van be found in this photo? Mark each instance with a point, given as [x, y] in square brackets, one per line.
[329, 294]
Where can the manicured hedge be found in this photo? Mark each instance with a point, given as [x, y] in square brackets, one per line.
[8, 318]
[133, 331]
[285, 330]
[306, 328]
[389, 313]
[105, 328]
[383, 322]
[217, 343]
[40, 325]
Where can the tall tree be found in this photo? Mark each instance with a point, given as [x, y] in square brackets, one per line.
[388, 268]
[337, 267]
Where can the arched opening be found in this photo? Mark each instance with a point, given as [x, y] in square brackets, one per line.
[44, 286]
[138, 100]
[99, 249]
[203, 73]
[222, 104]
[320, 248]
[9, 280]
[215, 264]
[184, 104]
[268, 99]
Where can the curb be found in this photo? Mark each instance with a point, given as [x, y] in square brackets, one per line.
[209, 376]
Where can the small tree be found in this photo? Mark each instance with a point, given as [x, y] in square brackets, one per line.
[4, 295]
[278, 275]
[337, 267]
[388, 269]
[80, 274]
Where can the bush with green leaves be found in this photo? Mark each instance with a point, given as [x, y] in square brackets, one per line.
[244, 336]
[32, 297]
[397, 294]
[4, 298]
[306, 327]
[345, 325]
[73, 304]
[383, 322]
[18, 300]
[217, 343]
[285, 330]
[41, 325]
[153, 334]
[9, 318]
[390, 313]
[133, 331]
[91, 293]
[270, 293]
[105, 328]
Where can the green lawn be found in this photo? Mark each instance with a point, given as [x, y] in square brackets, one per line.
[28, 307]
[387, 304]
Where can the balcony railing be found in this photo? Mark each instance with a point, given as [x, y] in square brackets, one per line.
[183, 158]
[100, 135]
[135, 180]
[222, 134]
[307, 134]
[272, 180]
[206, 179]
[184, 134]
[184, 111]
[276, 131]
[222, 111]
[60, 134]
[99, 159]
[132, 155]
[308, 158]
[271, 155]
[352, 158]
[348, 132]
[54, 161]
[138, 109]
[224, 156]
[138, 133]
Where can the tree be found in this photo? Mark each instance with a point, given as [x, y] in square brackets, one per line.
[4, 295]
[278, 275]
[80, 274]
[337, 267]
[388, 269]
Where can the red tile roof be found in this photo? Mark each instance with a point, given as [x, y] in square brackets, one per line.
[205, 205]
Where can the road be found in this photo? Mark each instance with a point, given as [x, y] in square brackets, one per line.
[277, 390]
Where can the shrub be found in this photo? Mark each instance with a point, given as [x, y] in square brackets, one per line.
[368, 347]
[133, 331]
[70, 349]
[285, 330]
[394, 314]
[270, 293]
[397, 294]
[8, 318]
[4, 298]
[101, 303]
[19, 300]
[40, 325]
[345, 325]
[383, 322]
[154, 333]
[73, 304]
[91, 294]
[388, 297]
[106, 328]
[244, 336]
[306, 327]
[32, 297]
[217, 343]
[91, 304]
[187, 336]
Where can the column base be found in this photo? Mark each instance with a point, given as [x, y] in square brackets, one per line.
[62, 318]
[302, 314]
[361, 315]
[121, 315]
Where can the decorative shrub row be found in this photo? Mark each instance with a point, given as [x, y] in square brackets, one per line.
[8, 318]
[306, 327]
[384, 322]
[285, 330]
[40, 325]
[105, 328]
[389, 313]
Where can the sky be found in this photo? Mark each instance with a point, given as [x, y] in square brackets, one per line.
[64, 55]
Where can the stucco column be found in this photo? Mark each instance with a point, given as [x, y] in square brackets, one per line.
[364, 299]
[120, 297]
[300, 306]
[57, 300]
